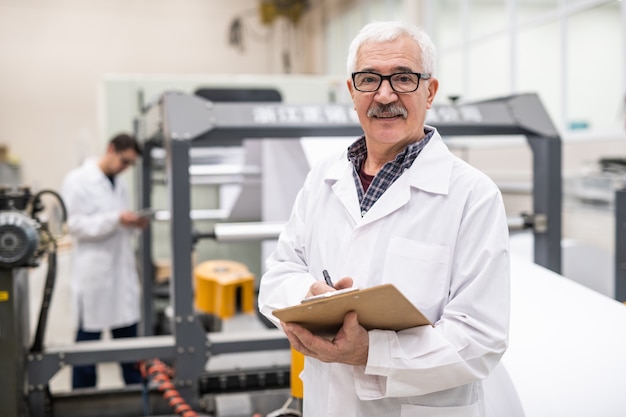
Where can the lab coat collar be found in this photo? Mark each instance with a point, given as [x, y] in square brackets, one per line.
[95, 175]
[430, 172]
[92, 170]
[339, 177]
[432, 169]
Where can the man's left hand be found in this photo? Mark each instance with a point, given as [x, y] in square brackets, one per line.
[350, 344]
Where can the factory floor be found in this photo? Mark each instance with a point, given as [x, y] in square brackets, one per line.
[60, 331]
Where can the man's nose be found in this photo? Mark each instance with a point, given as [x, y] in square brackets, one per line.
[385, 93]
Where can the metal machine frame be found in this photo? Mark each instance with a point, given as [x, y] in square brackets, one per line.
[13, 338]
[180, 121]
[620, 245]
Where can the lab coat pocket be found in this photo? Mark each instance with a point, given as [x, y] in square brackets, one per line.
[419, 270]
[410, 410]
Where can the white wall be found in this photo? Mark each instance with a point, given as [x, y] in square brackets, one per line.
[54, 55]
[569, 52]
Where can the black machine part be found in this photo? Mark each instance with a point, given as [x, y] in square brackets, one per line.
[24, 238]
[19, 239]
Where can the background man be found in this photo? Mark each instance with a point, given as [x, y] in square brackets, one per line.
[105, 284]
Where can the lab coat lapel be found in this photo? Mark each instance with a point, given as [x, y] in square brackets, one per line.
[98, 179]
[395, 197]
[432, 170]
[93, 172]
[339, 177]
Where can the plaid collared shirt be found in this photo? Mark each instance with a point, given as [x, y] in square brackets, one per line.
[388, 174]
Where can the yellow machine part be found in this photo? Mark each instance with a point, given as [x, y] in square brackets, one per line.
[297, 365]
[217, 283]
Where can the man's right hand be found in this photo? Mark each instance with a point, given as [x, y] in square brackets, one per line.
[131, 219]
[320, 287]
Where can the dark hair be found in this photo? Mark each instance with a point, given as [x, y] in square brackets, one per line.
[124, 141]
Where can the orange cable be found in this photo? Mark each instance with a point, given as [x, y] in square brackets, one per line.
[160, 373]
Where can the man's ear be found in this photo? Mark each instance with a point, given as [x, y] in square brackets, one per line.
[350, 89]
[433, 86]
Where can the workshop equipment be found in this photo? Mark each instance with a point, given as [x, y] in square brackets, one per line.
[223, 287]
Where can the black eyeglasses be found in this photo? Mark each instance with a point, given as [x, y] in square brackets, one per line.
[401, 82]
[125, 161]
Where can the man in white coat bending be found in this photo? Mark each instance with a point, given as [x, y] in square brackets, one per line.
[396, 207]
[105, 284]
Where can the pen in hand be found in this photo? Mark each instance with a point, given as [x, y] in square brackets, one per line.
[329, 282]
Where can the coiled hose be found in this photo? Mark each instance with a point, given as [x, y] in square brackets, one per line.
[161, 375]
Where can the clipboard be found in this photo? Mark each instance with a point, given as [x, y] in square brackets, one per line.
[381, 307]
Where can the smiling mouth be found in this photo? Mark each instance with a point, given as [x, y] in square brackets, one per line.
[387, 116]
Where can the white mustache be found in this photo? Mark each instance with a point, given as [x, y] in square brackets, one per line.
[389, 110]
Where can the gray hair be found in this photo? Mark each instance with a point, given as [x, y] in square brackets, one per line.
[390, 31]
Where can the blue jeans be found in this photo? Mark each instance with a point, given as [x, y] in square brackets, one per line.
[85, 375]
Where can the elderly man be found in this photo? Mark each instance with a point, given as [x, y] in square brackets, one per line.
[396, 207]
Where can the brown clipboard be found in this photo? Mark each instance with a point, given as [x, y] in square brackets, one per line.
[381, 307]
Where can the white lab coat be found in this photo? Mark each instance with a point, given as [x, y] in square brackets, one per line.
[440, 235]
[105, 286]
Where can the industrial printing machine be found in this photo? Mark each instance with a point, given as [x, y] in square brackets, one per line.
[178, 122]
